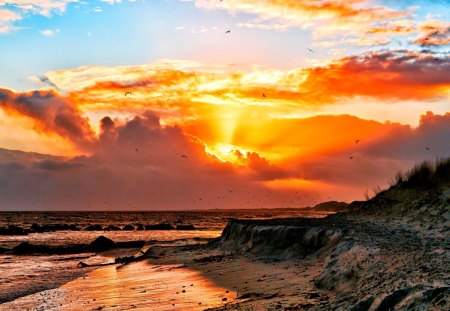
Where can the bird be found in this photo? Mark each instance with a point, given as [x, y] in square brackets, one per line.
[428, 148]
[136, 149]
[310, 50]
[184, 156]
[351, 158]
[228, 31]
[127, 93]
[264, 95]
[357, 141]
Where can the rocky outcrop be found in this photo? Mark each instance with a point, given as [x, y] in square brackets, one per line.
[98, 245]
[388, 253]
[297, 239]
[101, 244]
[13, 230]
[159, 227]
[185, 227]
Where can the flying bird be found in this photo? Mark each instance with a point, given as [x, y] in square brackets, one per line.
[228, 31]
[310, 50]
[357, 141]
[127, 93]
[351, 158]
[136, 149]
[428, 148]
[264, 95]
[184, 156]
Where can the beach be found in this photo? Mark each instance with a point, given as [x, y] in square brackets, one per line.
[379, 255]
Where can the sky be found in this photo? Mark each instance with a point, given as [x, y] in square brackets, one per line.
[205, 104]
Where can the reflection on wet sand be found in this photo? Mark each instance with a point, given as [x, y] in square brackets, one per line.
[142, 286]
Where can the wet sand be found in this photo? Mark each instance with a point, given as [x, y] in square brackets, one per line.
[137, 286]
[192, 279]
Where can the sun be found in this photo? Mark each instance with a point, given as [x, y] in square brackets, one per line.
[228, 153]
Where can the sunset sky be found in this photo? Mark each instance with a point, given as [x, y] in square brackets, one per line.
[202, 104]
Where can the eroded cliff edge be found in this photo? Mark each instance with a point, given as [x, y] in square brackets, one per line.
[390, 253]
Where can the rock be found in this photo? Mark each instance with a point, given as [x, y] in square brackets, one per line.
[37, 228]
[391, 300]
[363, 305]
[24, 248]
[159, 227]
[139, 227]
[101, 244]
[185, 227]
[47, 228]
[73, 228]
[130, 244]
[93, 228]
[128, 228]
[4, 250]
[12, 230]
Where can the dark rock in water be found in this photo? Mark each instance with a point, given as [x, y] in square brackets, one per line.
[139, 227]
[159, 227]
[37, 228]
[112, 228]
[47, 228]
[13, 230]
[185, 227]
[4, 250]
[101, 244]
[130, 244]
[73, 228]
[24, 248]
[128, 228]
[93, 228]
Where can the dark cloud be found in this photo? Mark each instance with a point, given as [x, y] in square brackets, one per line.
[50, 113]
[138, 165]
[384, 75]
[372, 163]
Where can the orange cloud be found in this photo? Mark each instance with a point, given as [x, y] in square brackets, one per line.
[434, 33]
[50, 113]
[185, 89]
[7, 17]
[324, 17]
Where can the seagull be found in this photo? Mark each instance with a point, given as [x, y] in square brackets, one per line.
[310, 50]
[127, 93]
[264, 95]
[184, 156]
[228, 31]
[137, 150]
[357, 141]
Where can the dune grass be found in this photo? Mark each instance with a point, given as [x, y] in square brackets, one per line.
[424, 175]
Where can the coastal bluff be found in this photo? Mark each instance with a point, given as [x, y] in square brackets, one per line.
[391, 252]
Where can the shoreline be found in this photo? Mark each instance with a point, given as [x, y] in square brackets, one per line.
[387, 253]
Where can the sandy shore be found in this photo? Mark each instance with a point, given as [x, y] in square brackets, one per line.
[184, 279]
